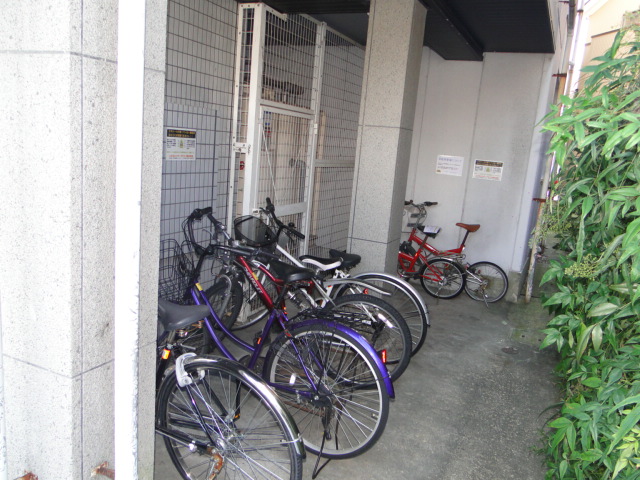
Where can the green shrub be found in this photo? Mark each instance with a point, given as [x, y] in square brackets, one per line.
[596, 218]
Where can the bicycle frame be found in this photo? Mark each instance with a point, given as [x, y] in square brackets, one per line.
[339, 278]
[425, 251]
[276, 315]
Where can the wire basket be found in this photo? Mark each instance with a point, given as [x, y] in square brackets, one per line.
[253, 231]
[176, 270]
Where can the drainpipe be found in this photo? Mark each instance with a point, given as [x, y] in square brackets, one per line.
[130, 84]
[577, 49]
[3, 432]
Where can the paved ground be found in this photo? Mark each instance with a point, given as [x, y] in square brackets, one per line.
[471, 405]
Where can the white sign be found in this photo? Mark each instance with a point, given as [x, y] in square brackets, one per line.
[449, 165]
[488, 170]
[180, 144]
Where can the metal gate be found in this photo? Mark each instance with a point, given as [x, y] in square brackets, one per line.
[295, 127]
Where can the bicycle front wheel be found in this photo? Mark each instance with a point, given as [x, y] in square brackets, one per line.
[382, 326]
[332, 387]
[442, 278]
[227, 424]
[486, 282]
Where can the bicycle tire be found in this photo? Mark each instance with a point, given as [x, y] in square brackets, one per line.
[405, 299]
[253, 310]
[492, 286]
[233, 294]
[377, 328]
[354, 405]
[449, 282]
[253, 434]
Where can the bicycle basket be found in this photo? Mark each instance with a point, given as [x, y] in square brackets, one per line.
[253, 231]
[176, 269]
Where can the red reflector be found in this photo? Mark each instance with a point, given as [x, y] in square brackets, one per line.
[383, 356]
[366, 291]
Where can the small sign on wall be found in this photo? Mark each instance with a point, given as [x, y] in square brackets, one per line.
[180, 144]
[488, 169]
[449, 165]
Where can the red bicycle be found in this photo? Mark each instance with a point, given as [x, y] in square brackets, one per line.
[444, 273]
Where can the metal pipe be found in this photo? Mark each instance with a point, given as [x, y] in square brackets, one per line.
[3, 431]
[129, 126]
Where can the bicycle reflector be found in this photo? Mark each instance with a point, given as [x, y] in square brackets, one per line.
[166, 353]
[383, 355]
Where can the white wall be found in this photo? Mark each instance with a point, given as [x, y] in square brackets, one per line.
[488, 111]
[57, 207]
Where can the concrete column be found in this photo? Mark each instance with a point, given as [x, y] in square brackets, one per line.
[57, 207]
[392, 66]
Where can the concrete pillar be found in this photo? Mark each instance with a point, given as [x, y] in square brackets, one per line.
[392, 66]
[57, 188]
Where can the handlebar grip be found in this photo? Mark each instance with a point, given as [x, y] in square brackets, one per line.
[430, 204]
[198, 213]
[265, 254]
[408, 202]
[270, 206]
[295, 232]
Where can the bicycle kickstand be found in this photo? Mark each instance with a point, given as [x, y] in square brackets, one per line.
[316, 470]
[325, 435]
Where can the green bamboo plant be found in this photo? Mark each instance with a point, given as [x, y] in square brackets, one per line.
[596, 307]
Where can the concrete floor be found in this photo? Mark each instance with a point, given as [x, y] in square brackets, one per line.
[471, 404]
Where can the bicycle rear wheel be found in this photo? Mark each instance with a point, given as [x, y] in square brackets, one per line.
[442, 278]
[382, 326]
[225, 296]
[226, 423]
[253, 310]
[486, 282]
[349, 412]
[405, 299]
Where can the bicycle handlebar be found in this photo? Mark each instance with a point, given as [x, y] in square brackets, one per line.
[198, 213]
[246, 251]
[423, 204]
[270, 209]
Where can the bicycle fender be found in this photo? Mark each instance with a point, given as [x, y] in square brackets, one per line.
[254, 380]
[353, 281]
[359, 339]
[406, 285]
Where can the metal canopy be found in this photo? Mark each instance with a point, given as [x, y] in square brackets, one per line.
[455, 29]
